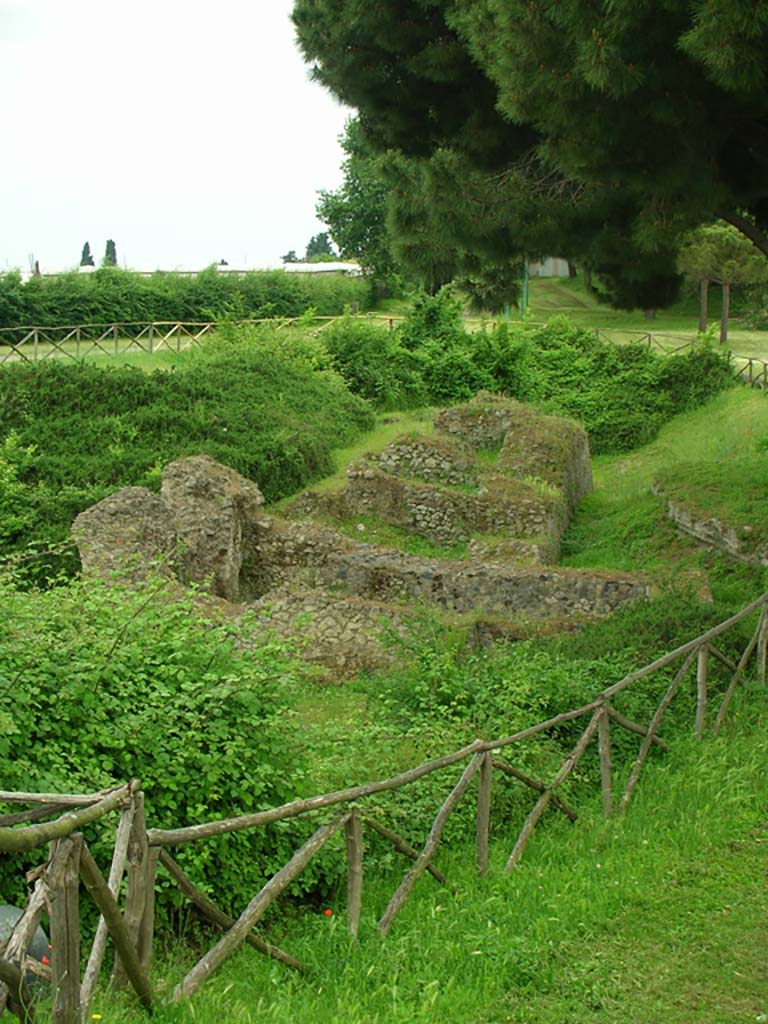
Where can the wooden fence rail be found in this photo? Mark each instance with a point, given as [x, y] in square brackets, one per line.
[37, 343]
[138, 851]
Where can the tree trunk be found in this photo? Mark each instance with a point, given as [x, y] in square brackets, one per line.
[724, 314]
[703, 296]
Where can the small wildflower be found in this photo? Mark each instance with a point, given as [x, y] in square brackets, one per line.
[95, 1016]
[44, 960]
[327, 912]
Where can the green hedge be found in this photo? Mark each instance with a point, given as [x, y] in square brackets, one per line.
[111, 295]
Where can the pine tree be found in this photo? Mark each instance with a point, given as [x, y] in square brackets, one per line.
[718, 254]
[319, 248]
[632, 121]
[290, 257]
[110, 254]
[86, 259]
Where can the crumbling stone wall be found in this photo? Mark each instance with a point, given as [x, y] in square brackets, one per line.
[303, 556]
[212, 508]
[129, 532]
[208, 526]
[737, 542]
[446, 516]
[347, 634]
[482, 423]
[435, 460]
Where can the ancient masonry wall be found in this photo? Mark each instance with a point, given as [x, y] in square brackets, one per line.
[208, 527]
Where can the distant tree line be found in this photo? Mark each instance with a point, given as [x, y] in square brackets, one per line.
[110, 295]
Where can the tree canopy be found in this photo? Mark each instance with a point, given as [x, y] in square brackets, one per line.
[601, 132]
[719, 254]
[356, 212]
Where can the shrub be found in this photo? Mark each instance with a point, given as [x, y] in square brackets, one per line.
[375, 364]
[622, 394]
[101, 683]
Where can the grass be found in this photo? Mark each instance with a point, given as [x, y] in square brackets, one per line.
[375, 531]
[672, 327]
[621, 525]
[660, 915]
[389, 426]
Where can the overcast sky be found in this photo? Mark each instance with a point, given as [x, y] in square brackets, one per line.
[186, 130]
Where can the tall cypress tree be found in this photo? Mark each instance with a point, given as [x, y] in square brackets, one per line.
[86, 259]
[110, 254]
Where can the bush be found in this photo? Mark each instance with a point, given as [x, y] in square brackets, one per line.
[622, 394]
[100, 684]
[375, 364]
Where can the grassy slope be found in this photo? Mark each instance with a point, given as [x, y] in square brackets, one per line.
[550, 296]
[622, 525]
[660, 916]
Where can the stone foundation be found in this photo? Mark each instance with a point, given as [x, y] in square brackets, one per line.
[337, 595]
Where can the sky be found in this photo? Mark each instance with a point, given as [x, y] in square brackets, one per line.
[186, 130]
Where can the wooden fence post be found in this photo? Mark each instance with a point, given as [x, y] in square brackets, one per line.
[147, 926]
[645, 746]
[604, 742]
[65, 933]
[544, 800]
[123, 942]
[239, 931]
[484, 812]
[354, 837]
[762, 646]
[122, 839]
[136, 892]
[433, 840]
[701, 689]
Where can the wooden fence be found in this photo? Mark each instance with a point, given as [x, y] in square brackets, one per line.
[35, 344]
[139, 850]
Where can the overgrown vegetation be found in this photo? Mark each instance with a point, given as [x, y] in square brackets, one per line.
[73, 433]
[100, 683]
[111, 295]
[621, 394]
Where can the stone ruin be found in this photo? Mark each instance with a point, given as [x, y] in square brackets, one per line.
[495, 474]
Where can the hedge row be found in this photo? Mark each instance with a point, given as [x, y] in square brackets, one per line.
[111, 295]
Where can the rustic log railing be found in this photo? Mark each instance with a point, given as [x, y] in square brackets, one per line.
[35, 344]
[138, 850]
[38, 343]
